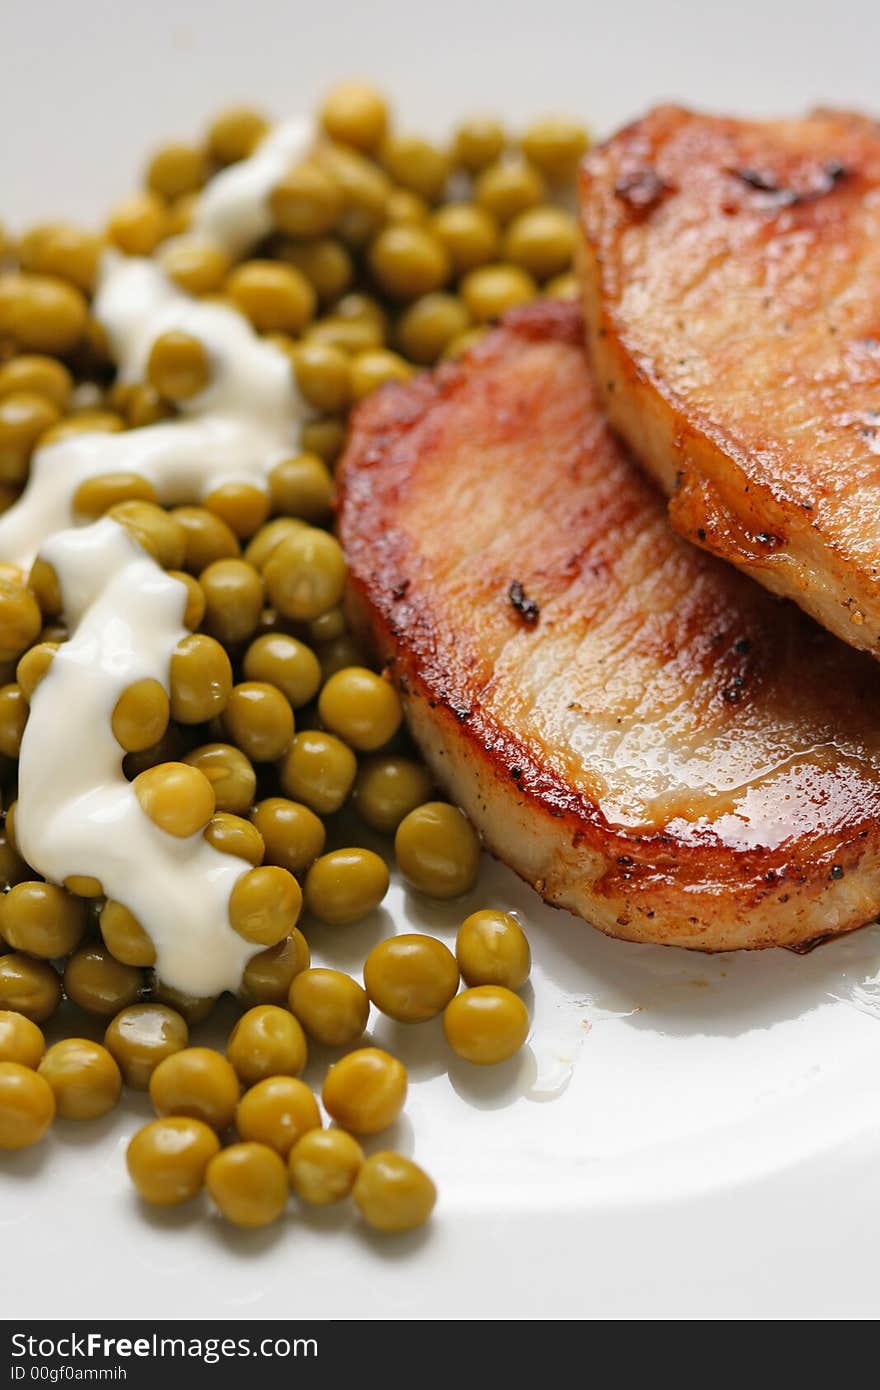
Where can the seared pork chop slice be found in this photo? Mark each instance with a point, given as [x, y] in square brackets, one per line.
[732, 292]
[644, 735]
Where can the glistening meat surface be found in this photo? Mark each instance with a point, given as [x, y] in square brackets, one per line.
[641, 733]
[731, 277]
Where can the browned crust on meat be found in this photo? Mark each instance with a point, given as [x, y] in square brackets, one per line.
[731, 276]
[518, 420]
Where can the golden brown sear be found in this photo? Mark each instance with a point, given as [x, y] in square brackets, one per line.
[642, 734]
[731, 282]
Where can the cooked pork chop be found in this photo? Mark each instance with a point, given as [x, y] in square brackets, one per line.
[645, 736]
[732, 290]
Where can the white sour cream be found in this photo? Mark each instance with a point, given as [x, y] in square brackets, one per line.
[76, 811]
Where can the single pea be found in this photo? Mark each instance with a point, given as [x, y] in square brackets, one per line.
[362, 308]
[388, 788]
[196, 266]
[328, 626]
[286, 663]
[38, 376]
[416, 164]
[167, 1159]
[268, 538]
[41, 313]
[143, 1035]
[258, 719]
[200, 679]
[305, 574]
[98, 983]
[565, 286]
[145, 406]
[468, 234]
[509, 186]
[408, 261]
[85, 422]
[243, 506]
[84, 1077]
[365, 190]
[97, 495]
[230, 773]
[13, 869]
[20, 619]
[331, 1006]
[325, 262]
[429, 325]
[556, 146]
[29, 987]
[170, 748]
[411, 977]
[42, 920]
[84, 885]
[319, 770]
[198, 1082]
[478, 142]
[248, 1183]
[375, 368]
[267, 1041]
[193, 1007]
[264, 905]
[194, 608]
[292, 834]
[491, 949]
[233, 592]
[62, 249]
[24, 419]
[365, 1091]
[43, 584]
[323, 1166]
[235, 133]
[326, 438]
[176, 169]
[236, 836]
[176, 797]
[338, 654]
[277, 1112]
[437, 850]
[124, 936]
[323, 375]
[140, 715]
[356, 114]
[27, 1106]
[361, 707]
[33, 666]
[276, 298]
[154, 529]
[348, 336]
[306, 201]
[541, 240]
[486, 1024]
[345, 885]
[138, 224]
[405, 206]
[178, 366]
[392, 1193]
[21, 1040]
[268, 975]
[207, 538]
[13, 718]
[490, 290]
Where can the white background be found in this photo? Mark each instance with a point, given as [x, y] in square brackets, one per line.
[685, 1137]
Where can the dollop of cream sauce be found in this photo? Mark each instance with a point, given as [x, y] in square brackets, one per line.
[76, 811]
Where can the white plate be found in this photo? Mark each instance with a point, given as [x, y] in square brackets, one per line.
[685, 1136]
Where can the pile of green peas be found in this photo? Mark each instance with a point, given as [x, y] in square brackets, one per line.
[389, 252]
